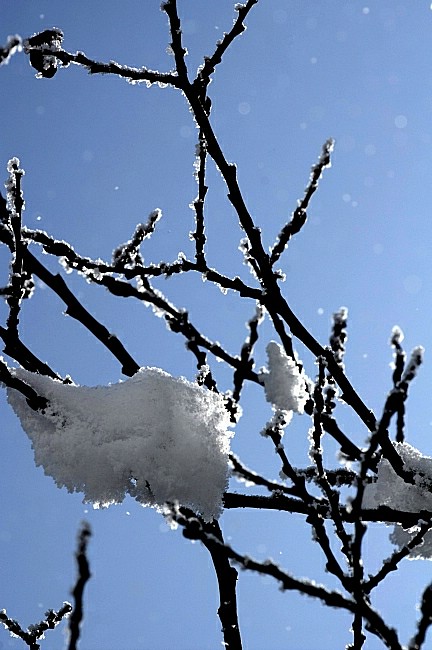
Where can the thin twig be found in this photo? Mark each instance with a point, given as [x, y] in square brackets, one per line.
[376, 624]
[299, 216]
[37, 631]
[210, 62]
[78, 591]
[246, 352]
[391, 564]
[133, 75]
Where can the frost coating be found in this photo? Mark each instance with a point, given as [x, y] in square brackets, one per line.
[392, 491]
[158, 438]
[397, 335]
[284, 384]
[13, 45]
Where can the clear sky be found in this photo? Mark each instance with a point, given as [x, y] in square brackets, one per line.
[100, 155]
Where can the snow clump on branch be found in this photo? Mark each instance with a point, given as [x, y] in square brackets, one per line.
[158, 438]
[391, 490]
[285, 384]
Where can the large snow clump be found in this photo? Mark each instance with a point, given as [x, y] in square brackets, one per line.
[158, 438]
[392, 491]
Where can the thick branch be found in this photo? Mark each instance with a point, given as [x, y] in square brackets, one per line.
[77, 311]
[226, 577]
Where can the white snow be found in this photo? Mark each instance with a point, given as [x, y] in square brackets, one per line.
[397, 335]
[284, 383]
[392, 491]
[16, 47]
[158, 438]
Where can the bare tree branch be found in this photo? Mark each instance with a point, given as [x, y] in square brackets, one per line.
[37, 631]
[76, 310]
[84, 576]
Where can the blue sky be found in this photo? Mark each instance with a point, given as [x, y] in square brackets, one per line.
[100, 155]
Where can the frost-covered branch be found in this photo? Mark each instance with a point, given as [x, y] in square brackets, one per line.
[20, 284]
[36, 631]
[199, 235]
[380, 437]
[280, 501]
[316, 455]
[274, 432]
[47, 51]
[34, 400]
[165, 440]
[46, 54]
[71, 260]
[246, 359]
[210, 62]
[101, 273]
[347, 447]
[76, 310]
[248, 476]
[212, 539]
[391, 564]
[299, 216]
[375, 623]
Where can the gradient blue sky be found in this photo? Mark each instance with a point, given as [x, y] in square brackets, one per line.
[99, 156]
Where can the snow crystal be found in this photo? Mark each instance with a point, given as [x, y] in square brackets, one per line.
[284, 383]
[158, 438]
[392, 491]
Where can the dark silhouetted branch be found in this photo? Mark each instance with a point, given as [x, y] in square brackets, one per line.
[77, 311]
[225, 573]
[37, 631]
[84, 576]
